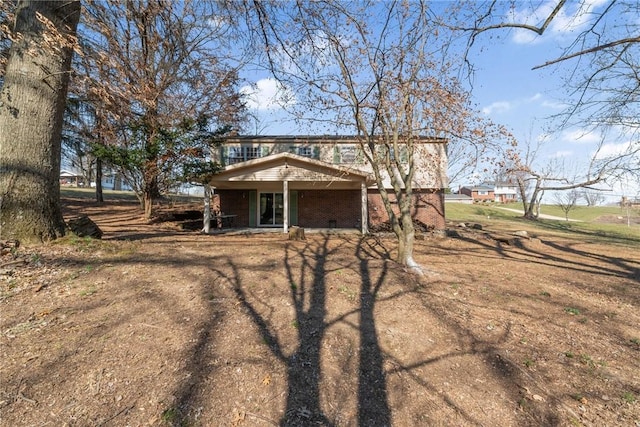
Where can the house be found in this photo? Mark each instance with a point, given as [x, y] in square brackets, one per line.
[503, 191]
[68, 178]
[318, 182]
[627, 202]
[479, 193]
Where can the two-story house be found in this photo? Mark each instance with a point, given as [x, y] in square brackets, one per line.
[503, 191]
[318, 182]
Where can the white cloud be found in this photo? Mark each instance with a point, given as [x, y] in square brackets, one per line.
[535, 97]
[572, 17]
[505, 106]
[613, 149]
[580, 136]
[267, 94]
[497, 107]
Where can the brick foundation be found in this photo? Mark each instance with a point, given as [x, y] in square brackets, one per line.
[428, 208]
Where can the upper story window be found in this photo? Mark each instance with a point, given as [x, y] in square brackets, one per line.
[304, 151]
[242, 154]
[348, 153]
[252, 152]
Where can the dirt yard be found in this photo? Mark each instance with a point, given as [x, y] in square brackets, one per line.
[155, 326]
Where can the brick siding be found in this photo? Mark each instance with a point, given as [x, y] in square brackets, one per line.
[320, 208]
[337, 208]
[234, 202]
[428, 208]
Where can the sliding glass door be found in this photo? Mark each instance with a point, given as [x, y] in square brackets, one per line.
[271, 209]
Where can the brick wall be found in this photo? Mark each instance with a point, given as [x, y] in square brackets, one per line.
[319, 208]
[234, 202]
[428, 208]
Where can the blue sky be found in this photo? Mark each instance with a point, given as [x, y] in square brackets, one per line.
[505, 88]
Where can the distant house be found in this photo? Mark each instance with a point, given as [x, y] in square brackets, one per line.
[68, 178]
[319, 182]
[112, 180]
[499, 192]
[479, 193]
[504, 192]
[627, 202]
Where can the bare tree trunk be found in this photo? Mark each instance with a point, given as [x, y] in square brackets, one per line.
[32, 104]
[99, 196]
[406, 239]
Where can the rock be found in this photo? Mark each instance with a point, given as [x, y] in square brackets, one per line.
[521, 233]
[83, 226]
[9, 246]
[477, 226]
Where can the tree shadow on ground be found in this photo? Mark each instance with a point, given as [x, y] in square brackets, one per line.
[373, 407]
[309, 301]
[548, 252]
[306, 269]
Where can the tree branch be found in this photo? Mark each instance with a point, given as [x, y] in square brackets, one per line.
[590, 50]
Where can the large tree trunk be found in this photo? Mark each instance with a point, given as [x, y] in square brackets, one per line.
[150, 192]
[32, 104]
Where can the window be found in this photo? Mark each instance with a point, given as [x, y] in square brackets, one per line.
[235, 155]
[305, 151]
[348, 153]
[242, 154]
[252, 153]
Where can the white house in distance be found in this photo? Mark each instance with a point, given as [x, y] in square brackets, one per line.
[504, 192]
[495, 191]
[318, 182]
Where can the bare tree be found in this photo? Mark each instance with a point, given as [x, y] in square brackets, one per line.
[381, 71]
[567, 201]
[592, 197]
[534, 177]
[32, 102]
[601, 63]
[155, 72]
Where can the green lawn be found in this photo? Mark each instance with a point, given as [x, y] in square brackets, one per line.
[607, 223]
[90, 193]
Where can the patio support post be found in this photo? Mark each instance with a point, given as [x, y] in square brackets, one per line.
[285, 197]
[365, 207]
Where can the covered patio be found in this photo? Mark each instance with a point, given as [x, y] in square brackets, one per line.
[285, 189]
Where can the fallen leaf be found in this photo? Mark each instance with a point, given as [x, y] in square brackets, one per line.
[266, 380]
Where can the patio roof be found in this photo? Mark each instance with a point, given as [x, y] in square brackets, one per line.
[289, 167]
